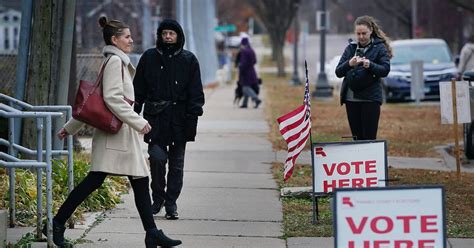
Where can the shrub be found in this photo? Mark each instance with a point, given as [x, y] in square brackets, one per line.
[106, 197]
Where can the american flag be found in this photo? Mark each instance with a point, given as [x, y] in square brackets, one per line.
[295, 127]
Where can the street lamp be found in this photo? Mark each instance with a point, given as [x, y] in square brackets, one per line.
[323, 90]
[295, 80]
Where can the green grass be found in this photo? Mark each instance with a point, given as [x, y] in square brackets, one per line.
[298, 218]
[459, 202]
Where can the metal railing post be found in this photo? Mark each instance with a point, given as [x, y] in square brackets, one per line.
[11, 172]
[42, 115]
[70, 162]
[49, 193]
[39, 176]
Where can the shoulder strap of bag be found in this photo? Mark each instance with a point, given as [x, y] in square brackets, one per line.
[98, 81]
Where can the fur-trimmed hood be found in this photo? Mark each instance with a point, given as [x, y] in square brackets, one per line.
[171, 25]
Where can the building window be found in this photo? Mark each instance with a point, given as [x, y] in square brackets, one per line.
[15, 18]
[6, 18]
[7, 42]
[15, 38]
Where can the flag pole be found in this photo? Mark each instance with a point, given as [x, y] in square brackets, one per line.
[313, 197]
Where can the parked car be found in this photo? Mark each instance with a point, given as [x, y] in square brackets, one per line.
[438, 65]
[330, 70]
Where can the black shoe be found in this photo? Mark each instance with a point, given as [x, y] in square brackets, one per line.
[156, 238]
[243, 106]
[172, 215]
[156, 207]
[58, 233]
[257, 103]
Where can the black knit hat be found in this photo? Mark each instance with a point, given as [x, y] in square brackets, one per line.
[167, 24]
[170, 24]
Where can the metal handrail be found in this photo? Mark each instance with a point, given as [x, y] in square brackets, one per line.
[41, 114]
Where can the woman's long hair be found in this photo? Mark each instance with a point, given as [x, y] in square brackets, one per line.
[371, 23]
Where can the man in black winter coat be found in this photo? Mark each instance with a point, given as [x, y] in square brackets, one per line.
[168, 83]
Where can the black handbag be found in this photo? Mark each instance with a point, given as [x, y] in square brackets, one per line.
[155, 107]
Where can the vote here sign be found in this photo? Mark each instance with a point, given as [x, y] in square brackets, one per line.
[410, 217]
[357, 164]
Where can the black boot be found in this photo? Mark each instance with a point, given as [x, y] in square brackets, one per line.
[157, 206]
[257, 102]
[156, 238]
[58, 233]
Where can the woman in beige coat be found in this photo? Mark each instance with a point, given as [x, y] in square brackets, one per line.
[115, 154]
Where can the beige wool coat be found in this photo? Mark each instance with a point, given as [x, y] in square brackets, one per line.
[120, 153]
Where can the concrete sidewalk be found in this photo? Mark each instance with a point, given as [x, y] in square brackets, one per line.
[229, 199]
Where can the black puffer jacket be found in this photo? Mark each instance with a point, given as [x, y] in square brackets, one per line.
[170, 74]
[365, 82]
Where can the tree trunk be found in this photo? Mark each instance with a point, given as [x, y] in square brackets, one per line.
[277, 17]
[43, 61]
[278, 43]
[274, 55]
[280, 59]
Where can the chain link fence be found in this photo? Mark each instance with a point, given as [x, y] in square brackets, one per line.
[7, 73]
[87, 68]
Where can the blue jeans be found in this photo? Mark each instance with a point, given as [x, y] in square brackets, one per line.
[249, 92]
[174, 156]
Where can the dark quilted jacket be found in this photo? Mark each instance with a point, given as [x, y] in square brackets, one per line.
[366, 83]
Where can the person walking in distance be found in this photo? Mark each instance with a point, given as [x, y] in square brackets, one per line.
[168, 84]
[466, 59]
[247, 75]
[115, 154]
[362, 65]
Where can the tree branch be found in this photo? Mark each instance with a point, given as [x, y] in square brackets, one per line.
[462, 4]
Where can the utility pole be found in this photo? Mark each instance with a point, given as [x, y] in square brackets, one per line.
[323, 90]
[69, 14]
[146, 32]
[22, 60]
[414, 18]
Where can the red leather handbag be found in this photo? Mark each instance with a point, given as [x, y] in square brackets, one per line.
[89, 106]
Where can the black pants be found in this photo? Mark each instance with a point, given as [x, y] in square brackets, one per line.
[173, 182]
[363, 119]
[93, 181]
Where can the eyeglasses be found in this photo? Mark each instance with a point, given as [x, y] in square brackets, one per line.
[168, 32]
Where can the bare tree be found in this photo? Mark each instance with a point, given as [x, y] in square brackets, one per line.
[467, 5]
[398, 10]
[276, 16]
